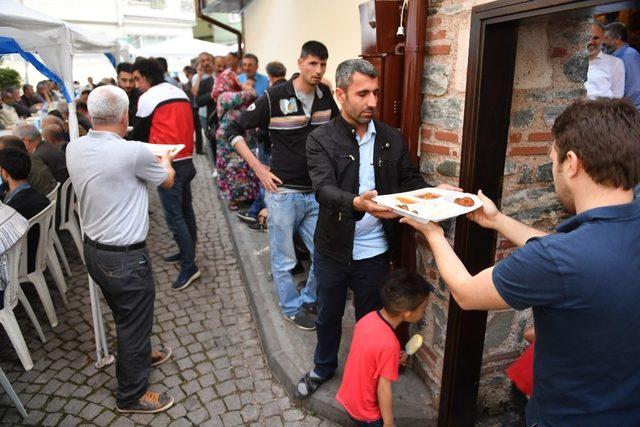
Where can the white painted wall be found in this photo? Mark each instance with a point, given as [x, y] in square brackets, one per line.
[276, 29]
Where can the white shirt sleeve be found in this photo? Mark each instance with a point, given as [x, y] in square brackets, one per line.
[617, 77]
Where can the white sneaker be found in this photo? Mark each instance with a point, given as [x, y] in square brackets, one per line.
[214, 175]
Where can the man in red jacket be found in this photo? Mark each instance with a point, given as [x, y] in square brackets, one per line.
[164, 116]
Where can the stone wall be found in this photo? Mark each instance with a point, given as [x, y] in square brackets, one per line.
[550, 71]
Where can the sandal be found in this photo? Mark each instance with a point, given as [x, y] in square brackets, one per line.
[310, 384]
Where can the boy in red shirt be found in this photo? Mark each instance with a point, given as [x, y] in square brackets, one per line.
[375, 356]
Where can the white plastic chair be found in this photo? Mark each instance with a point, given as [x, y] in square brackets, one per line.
[43, 219]
[52, 259]
[53, 197]
[6, 385]
[12, 294]
[68, 219]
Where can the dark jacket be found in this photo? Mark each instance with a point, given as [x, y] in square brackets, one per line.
[55, 160]
[204, 99]
[29, 203]
[333, 157]
[289, 127]
[134, 96]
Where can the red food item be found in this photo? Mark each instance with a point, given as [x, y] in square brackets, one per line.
[405, 207]
[464, 201]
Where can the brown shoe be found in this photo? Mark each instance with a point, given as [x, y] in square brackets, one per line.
[158, 357]
[149, 403]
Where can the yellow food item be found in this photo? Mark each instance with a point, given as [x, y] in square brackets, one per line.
[413, 344]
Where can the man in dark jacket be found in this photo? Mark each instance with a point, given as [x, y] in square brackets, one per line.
[52, 156]
[352, 159]
[28, 202]
[291, 111]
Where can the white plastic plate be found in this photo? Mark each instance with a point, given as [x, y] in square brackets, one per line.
[425, 210]
[162, 149]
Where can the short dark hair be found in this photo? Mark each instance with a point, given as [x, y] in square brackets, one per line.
[163, 63]
[404, 291]
[25, 87]
[617, 30]
[81, 105]
[233, 54]
[190, 69]
[124, 67]
[276, 69]
[150, 69]
[12, 141]
[16, 162]
[250, 56]
[85, 91]
[314, 48]
[56, 113]
[604, 134]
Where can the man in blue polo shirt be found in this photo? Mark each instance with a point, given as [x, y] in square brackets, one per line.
[582, 281]
[250, 72]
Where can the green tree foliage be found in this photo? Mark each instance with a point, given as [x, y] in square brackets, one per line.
[9, 77]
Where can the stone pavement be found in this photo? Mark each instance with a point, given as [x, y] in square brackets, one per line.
[217, 374]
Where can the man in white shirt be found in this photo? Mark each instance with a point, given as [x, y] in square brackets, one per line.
[605, 77]
[8, 114]
[110, 177]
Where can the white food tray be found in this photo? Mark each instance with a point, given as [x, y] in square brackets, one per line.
[425, 210]
[162, 149]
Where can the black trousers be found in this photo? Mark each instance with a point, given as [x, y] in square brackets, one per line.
[126, 281]
[365, 278]
[197, 129]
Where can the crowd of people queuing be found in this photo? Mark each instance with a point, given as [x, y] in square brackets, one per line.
[287, 159]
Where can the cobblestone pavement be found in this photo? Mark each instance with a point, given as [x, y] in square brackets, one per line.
[217, 374]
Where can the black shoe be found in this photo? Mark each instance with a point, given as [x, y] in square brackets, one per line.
[173, 259]
[307, 386]
[311, 308]
[303, 320]
[245, 217]
[149, 403]
[256, 226]
[185, 279]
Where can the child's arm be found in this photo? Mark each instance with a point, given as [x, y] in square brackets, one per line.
[385, 401]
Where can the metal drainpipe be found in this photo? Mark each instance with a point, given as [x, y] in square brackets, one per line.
[212, 21]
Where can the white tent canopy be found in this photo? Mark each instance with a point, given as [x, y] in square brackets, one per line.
[54, 41]
[180, 50]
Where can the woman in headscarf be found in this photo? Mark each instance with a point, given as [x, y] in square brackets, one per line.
[236, 180]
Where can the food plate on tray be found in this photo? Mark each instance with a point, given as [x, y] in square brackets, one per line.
[162, 149]
[430, 204]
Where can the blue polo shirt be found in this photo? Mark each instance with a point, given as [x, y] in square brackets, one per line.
[631, 59]
[261, 83]
[583, 284]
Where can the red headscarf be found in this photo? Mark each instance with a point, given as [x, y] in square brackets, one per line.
[227, 81]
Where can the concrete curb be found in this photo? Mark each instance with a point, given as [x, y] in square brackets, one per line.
[289, 351]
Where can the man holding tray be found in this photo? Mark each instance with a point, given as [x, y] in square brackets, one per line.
[351, 159]
[582, 281]
[115, 226]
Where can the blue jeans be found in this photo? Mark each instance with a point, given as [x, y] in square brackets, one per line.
[365, 278]
[178, 212]
[288, 213]
[258, 204]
